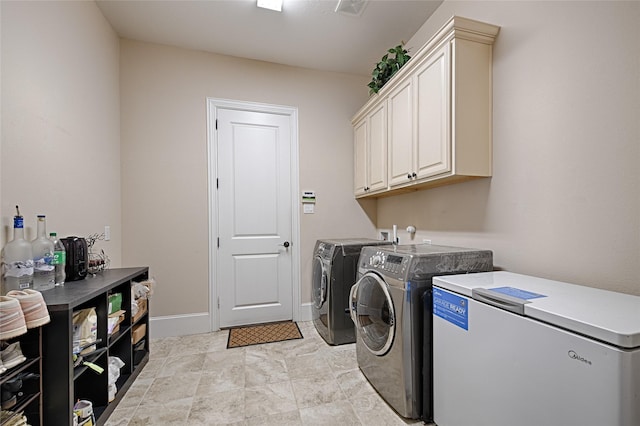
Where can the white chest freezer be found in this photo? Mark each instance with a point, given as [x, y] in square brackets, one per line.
[514, 350]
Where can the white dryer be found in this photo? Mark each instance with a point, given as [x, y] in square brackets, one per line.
[393, 334]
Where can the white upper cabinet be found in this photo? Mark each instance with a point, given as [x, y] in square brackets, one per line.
[439, 113]
[401, 149]
[360, 180]
[370, 141]
[432, 153]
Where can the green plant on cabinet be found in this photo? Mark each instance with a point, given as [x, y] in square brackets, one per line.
[387, 67]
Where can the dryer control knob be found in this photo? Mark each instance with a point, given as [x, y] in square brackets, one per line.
[376, 260]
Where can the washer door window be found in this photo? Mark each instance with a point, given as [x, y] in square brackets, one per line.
[374, 314]
[320, 278]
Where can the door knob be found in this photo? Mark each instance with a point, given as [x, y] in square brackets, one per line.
[285, 244]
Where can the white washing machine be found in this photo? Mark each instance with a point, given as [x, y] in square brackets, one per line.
[335, 270]
[387, 304]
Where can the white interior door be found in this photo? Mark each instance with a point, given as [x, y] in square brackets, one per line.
[254, 254]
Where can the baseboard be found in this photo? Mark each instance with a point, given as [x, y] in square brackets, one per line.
[179, 325]
[305, 312]
[184, 325]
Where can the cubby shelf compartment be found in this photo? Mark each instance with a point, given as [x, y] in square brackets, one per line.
[62, 383]
[30, 403]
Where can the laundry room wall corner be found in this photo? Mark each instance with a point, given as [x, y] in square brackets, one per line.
[166, 115]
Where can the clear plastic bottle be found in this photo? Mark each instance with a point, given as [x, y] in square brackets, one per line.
[59, 258]
[44, 275]
[17, 259]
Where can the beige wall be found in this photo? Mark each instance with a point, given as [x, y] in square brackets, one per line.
[563, 201]
[164, 159]
[60, 120]
[2, 232]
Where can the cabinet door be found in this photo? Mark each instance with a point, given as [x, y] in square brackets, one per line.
[360, 157]
[401, 135]
[377, 149]
[433, 146]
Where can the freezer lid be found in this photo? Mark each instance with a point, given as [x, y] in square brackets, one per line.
[603, 315]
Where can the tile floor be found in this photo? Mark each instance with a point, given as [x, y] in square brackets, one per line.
[195, 380]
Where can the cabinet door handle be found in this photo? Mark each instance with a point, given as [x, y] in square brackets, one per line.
[414, 175]
[409, 176]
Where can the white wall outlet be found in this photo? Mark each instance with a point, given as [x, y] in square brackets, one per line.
[107, 233]
[425, 241]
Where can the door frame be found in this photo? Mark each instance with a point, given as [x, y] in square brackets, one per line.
[213, 104]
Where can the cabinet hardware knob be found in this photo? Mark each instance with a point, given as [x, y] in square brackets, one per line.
[414, 175]
[408, 175]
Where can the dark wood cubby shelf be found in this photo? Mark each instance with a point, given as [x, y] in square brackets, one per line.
[30, 401]
[62, 384]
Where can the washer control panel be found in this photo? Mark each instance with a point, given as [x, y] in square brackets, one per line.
[388, 262]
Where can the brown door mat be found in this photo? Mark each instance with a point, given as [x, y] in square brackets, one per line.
[263, 333]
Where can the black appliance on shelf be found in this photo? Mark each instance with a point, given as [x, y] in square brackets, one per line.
[77, 258]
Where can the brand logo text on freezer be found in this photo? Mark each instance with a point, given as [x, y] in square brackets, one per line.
[574, 355]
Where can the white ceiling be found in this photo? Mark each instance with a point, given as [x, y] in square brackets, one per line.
[307, 33]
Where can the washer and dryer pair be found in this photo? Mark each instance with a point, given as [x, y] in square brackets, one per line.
[335, 270]
[391, 305]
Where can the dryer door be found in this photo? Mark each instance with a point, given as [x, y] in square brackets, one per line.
[373, 313]
[319, 282]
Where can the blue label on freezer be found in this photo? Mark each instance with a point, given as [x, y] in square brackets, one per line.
[516, 292]
[451, 307]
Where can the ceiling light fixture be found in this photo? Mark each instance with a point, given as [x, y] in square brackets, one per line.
[351, 7]
[270, 4]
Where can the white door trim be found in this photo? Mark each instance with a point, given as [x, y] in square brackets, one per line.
[212, 112]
